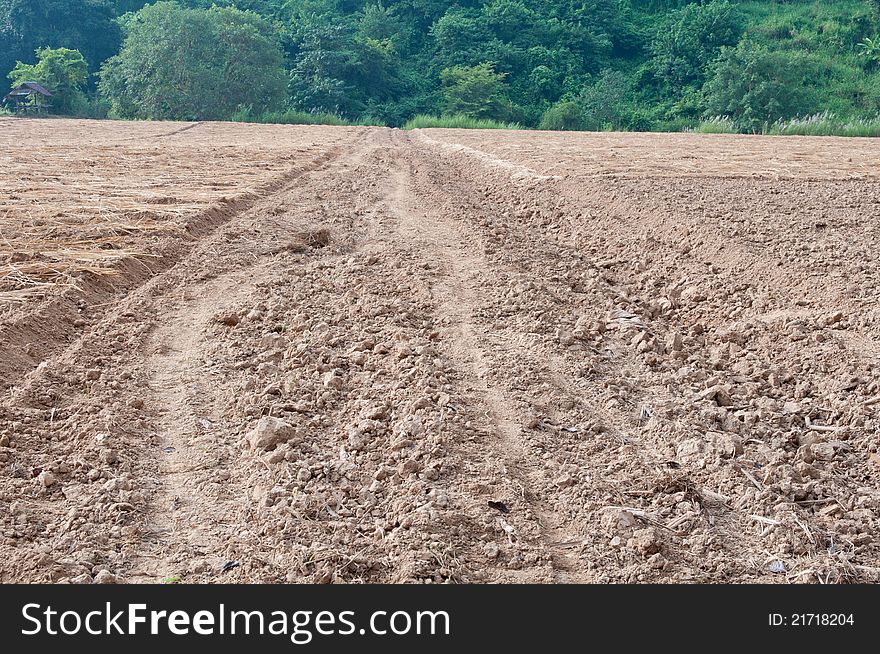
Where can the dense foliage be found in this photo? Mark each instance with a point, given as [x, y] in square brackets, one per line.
[554, 64]
[195, 64]
[62, 70]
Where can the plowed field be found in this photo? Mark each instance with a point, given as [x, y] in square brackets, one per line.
[237, 353]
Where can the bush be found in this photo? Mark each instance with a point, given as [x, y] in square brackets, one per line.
[458, 121]
[756, 86]
[566, 115]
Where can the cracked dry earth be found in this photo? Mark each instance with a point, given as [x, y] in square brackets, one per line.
[465, 357]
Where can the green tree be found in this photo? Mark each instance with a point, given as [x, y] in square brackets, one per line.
[755, 86]
[250, 55]
[346, 65]
[324, 60]
[179, 63]
[460, 38]
[476, 91]
[84, 25]
[605, 103]
[63, 72]
[690, 41]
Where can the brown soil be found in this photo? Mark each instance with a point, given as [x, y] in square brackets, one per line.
[364, 355]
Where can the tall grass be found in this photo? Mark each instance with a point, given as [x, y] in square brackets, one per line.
[717, 125]
[826, 124]
[457, 122]
[291, 117]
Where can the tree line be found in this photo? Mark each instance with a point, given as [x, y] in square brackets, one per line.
[553, 64]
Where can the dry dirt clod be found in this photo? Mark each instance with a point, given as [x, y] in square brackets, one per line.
[46, 479]
[268, 433]
[105, 577]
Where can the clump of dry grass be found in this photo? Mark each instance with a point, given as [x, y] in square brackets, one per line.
[83, 196]
[41, 255]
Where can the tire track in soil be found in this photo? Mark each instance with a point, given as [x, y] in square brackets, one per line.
[191, 521]
[181, 525]
[48, 329]
[187, 529]
[457, 292]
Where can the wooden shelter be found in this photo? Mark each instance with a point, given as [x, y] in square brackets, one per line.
[29, 97]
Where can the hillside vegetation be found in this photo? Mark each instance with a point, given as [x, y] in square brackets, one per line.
[799, 66]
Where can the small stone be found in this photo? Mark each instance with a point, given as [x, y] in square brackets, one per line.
[109, 456]
[357, 440]
[375, 412]
[432, 473]
[619, 522]
[823, 451]
[728, 445]
[106, 577]
[93, 374]
[440, 498]
[690, 450]
[275, 456]
[72, 491]
[806, 471]
[421, 403]
[382, 473]
[717, 393]
[273, 342]
[269, 432]
[408, 467]
[657, 561]
[491, 550]
[401, 444]
[565, 481]
[229, 319]
[46, 478]
[646, 541]
[833, 318]
[410, 425]
[693, 294]
[564, 337]
[791, 408]
[333, 379]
